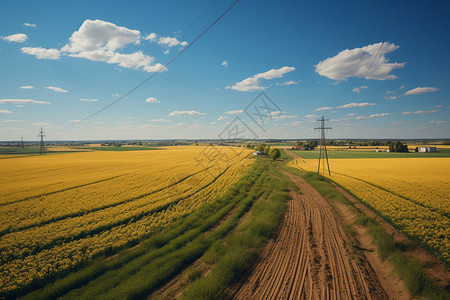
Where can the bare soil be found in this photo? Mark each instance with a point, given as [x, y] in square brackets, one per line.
[311, 257]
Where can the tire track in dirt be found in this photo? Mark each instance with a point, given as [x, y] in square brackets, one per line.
[309, 259]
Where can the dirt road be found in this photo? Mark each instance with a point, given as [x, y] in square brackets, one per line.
[311, 257]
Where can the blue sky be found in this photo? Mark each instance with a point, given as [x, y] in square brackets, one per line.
[61, 61]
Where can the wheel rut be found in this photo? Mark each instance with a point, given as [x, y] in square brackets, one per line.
[310, 258]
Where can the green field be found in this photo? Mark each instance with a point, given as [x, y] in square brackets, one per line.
[349, 154]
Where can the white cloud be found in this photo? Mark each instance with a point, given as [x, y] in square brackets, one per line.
[152, 100]
[131, 61]
[311, 116]
[170, 42]
[343, 65]
[392, 97]
[373, 116]
[438, 122]
[416, 112]
[350, 105]
[22, 101]
[5, 111]
[98, 40]
[296, 123]
[358, 89]
[401, 87]
[291, 82]
[160, 120]
[323, 108]
[222, 118]
[438, 106]
[282, 117]
[234, 112]
[12, 121]
[98, 34]
[88, 100]
[17, 38]
[251, 84]
[78, 120]
[29, 25]
[40, 124]
[27, 87]
[186, 113]
[351, 115]
[224, 63]
[56, 89]
[42, 53]
[421, 90]
[151, 37]
[390, 92]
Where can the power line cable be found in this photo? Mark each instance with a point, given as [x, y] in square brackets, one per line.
[157, 72]
[362, 54]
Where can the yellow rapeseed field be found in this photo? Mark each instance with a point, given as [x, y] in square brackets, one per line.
[412, 193]
[58, 211]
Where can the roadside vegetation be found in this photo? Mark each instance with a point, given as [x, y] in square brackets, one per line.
[410, 270]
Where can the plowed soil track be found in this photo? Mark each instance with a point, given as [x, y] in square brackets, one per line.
[310, 257]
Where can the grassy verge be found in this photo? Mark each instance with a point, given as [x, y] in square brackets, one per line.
[135, 274]
[233, 256]
[410, 270]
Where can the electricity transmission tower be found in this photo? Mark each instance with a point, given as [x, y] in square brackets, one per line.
[323, 146]
[41, 135]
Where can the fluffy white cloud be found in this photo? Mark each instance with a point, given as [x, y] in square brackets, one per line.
[438, 122]
[373, 116]
[351, 115]
[97, 34]
[235, 112]
[222, 118]
[151, 37]
[160, 120]
[17, 38]
[29, 25]
[343, 65]
[291, 82]
[416, 112]
[251, 84]
[22, 101]
[170, 41]
[88, 100]
[5, 111]
[421, 90]
[42, 53]
[131, 61]
[296, 123]
[56, 89]
[27, 87]
[98, 40]
[350, 105]
[282, 117]
[224, 63]
[311, 116]
[323, 108]
[358, 89]
[186, 113]
[152, 100]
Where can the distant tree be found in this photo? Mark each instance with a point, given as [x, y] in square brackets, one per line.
[398, 147]
[313, 144]
[299, 143]
[417, 149]
[267, 149]
[261, 148]
[275, 153]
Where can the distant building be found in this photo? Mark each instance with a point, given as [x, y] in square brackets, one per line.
[427, 149]
[257, 153]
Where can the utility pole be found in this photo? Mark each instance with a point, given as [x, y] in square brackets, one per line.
[41, 135]
[323, 146]
[21, 144]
